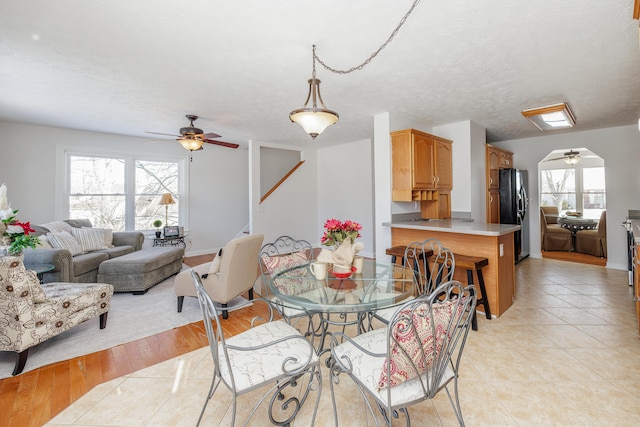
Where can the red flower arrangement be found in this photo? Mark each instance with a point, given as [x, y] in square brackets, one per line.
[13, 233]
[337, 232]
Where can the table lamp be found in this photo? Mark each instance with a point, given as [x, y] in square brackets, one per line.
[166, 200]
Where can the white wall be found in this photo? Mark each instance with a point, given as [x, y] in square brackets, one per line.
[345, 188]
[292, 209]
[620, 149]
[218, 178]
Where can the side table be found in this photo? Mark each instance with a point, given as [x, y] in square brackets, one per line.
[40, 269]
[170, 241]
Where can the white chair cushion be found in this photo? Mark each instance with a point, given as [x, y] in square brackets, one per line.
[367, 369]
[258, 366]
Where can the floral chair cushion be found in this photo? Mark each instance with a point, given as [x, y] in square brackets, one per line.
[275, 264]
[411, 355]
[31, 313]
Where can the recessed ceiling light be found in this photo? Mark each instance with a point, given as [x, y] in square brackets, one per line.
[551, 117]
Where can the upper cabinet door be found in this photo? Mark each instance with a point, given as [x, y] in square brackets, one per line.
[493, 163]
[424, 175]
[506, 160]
[444, 165]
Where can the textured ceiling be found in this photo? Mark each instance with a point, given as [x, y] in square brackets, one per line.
[127, 67]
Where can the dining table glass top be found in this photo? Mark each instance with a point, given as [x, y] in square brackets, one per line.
[379, 285]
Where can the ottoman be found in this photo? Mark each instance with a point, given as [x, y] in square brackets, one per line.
[138, 271]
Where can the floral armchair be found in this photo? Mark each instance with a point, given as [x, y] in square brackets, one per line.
[31, 313]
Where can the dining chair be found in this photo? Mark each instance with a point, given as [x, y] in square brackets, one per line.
[413, 358]
[272, 352]
[554, 237]
[429, 272]
[594, 242]
[285, 253]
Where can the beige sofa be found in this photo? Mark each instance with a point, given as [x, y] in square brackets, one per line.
[70, 266]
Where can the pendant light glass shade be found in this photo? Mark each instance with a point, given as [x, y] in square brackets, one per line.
[314, 120]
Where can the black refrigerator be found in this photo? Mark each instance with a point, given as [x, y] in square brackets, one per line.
[514, 204]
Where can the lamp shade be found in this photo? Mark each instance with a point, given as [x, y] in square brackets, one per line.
[313, 121]
[166, 199]
[191, 144]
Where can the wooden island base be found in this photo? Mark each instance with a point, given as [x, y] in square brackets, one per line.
[499, 275]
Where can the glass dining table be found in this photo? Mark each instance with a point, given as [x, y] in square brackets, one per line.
[343, 301]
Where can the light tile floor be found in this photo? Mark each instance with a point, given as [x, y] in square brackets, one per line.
[567, 353]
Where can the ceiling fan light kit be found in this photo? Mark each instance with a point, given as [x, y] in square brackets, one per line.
[551, 117]
[190, 143]
[192, 138]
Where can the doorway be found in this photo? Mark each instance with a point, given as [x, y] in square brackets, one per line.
[572, 195]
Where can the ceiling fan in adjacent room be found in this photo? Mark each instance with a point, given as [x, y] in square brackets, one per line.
[193, 138]
[570, 157]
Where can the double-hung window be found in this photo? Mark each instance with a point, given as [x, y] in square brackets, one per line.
[122, 192]
[578, 188]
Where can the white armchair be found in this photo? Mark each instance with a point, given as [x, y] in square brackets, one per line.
[232, 274]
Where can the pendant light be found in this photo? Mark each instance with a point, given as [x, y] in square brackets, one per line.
[314, 120]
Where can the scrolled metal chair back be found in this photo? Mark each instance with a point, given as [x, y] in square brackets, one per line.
[433, 270]
[443, 316]
[283, 245]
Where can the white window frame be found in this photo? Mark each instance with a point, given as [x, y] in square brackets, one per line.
[63, 186]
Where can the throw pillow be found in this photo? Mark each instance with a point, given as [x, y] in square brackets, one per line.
[90, 239]
[413, 355]
[57, 226]
[215, 264]
[276, 264]
[108, 235]
[64, 240]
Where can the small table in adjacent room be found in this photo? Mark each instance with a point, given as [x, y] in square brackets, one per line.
[575, 224]
[170, 241]
[40, 269]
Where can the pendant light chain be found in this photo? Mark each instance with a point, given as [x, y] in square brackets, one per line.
[373, 55]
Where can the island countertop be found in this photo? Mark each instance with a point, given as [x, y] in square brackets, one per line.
[455, 226]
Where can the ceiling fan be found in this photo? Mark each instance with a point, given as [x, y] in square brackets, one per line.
[570, 157]
[192, 138]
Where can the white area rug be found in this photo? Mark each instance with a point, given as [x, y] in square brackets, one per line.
[131, 317]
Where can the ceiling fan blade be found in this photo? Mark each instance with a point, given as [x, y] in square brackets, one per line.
[557, 158]
[166, 134]
[210, 135]
[222, 143]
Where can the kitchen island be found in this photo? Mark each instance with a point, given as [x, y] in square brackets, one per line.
[493, 241]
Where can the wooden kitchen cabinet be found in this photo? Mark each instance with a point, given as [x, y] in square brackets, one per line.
[493, 204]
[506, 160]
[444, 164]
[420, 162]
[422, 170]
[496, 159]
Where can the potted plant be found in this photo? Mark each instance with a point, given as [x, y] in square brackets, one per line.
[157, 223]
